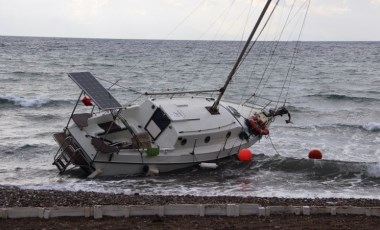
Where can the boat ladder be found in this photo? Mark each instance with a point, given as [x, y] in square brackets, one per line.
[62, 158]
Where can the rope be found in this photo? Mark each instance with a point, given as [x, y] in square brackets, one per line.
[273, 145]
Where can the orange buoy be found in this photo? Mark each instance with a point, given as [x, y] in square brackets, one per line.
[315, 154]
[245, 155]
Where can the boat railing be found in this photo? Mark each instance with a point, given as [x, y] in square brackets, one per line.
[261, 102]
[203, 130]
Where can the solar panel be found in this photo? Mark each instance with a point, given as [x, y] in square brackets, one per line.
[92, 87]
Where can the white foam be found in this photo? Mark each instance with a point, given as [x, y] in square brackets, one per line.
[372, 126]
[26, 102]
[373, 170]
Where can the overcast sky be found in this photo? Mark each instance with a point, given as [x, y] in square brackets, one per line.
[328, 20]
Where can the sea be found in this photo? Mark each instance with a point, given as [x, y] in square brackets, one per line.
[332, 90]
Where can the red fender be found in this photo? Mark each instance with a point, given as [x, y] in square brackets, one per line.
[258, 125]
[87, 101]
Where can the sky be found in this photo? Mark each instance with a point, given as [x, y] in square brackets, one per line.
[327, 20]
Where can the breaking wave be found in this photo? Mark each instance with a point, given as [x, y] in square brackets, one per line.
[29, 102]
[319, 169]
[372, 127]
[339, 97]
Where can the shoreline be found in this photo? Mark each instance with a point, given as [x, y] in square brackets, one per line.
[16, 197]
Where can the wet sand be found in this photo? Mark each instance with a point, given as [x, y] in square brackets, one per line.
[15, 197]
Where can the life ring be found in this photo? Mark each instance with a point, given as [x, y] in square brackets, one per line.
[258, 125]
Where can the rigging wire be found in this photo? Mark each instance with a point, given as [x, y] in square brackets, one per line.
[272, 52]
[123, 87]
[297, 47]
[276, 46]
[185, 18]
[256, 61]
[260, 52]
[241, 39]
[245, 27]
[175, 28]
[224, 13]
[291, 64]
[250, 12]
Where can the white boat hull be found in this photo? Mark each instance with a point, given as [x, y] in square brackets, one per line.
[135, 166]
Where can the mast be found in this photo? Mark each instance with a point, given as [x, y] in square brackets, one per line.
[214, 108]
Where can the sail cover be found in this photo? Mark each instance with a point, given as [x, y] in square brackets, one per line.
[92, 87]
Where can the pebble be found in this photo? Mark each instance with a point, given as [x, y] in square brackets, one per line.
[16, 197]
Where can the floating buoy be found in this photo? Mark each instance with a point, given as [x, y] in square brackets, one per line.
[208, 165]
[315, 154]
[245, 155]
[87, 101]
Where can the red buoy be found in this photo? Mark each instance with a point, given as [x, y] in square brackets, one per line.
[315, 154]
[245, 155]
[87, 101]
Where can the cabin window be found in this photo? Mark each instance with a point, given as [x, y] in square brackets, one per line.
[207, 139]
[157, 123]
[228, 135]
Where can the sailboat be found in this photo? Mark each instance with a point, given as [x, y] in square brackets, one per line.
[160, 134]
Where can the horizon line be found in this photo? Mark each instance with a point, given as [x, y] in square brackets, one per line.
[156, 39]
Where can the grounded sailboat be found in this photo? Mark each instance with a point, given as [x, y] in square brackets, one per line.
[160, 134]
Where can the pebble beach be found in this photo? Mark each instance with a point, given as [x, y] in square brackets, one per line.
[16, 197]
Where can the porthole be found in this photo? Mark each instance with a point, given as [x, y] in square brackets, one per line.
[183, 142]
[153, 107]
[207, 139]
[228, 135]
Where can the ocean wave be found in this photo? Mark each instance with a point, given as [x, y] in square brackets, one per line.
[374, 170]
[319, 169]
[29, 102]
[299, 109]
[372, 127]
[28, 146]
[27, 73]
[339, 97]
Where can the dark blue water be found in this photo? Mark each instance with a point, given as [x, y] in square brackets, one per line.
[334, 99]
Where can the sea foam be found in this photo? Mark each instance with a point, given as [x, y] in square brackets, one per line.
[372, 126]
[24, 102]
